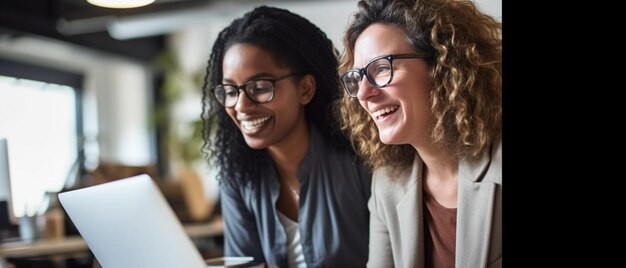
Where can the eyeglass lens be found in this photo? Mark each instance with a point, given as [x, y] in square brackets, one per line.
[378, 72]
[258, 91]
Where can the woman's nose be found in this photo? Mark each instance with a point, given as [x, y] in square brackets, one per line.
[243, 104]
[366, 90]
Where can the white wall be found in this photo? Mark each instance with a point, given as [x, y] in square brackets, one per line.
[193, 40]
[491, 7]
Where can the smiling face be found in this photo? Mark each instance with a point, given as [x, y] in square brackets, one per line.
[264, 125]
[401, 110]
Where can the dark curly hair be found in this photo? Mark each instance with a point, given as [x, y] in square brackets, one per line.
[293, 41]
[466, 71]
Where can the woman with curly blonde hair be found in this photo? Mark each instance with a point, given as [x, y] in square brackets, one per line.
[424, 108]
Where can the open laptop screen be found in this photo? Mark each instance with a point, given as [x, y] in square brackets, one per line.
[128, 223]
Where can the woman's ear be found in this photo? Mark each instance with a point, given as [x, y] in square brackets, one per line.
[307, 89]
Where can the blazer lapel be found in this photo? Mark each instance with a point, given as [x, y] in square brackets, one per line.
[474, 213]
[411, 222]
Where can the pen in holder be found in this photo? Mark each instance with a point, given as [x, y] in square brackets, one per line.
[28, 227]
[48, 222]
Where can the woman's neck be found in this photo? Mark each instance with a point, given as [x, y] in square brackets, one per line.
[289, 153]
[287, 157]
[440, 175]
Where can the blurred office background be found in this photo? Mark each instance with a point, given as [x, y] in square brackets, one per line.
[91, 94]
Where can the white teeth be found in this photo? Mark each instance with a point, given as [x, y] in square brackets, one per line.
[385, 110]
[254, 123]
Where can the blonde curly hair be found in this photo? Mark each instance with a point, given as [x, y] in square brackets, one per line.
[466, 73]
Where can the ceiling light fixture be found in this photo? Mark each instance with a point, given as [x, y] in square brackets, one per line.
[120, 3]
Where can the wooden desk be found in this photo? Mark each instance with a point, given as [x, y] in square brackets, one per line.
[75, 244]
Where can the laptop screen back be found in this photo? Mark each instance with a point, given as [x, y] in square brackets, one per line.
[128, 223]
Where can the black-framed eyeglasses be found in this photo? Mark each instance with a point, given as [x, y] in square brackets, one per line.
[258, 91]
[379, 72]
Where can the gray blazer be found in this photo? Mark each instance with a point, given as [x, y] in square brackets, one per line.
[396, 218]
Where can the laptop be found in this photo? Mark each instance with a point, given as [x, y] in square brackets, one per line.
[128, 223]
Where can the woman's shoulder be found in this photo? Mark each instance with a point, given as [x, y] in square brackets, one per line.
[487, 166]
[343, 160]
[496, 151]
[237, 186]
[324, 149]
[387, 180]
[495, 166]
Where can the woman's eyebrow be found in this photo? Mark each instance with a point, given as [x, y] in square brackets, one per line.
[254, 77]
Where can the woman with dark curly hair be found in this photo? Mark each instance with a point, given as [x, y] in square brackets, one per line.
[424, 109]
[293, 192]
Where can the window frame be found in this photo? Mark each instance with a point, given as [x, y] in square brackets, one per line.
[29, 71]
